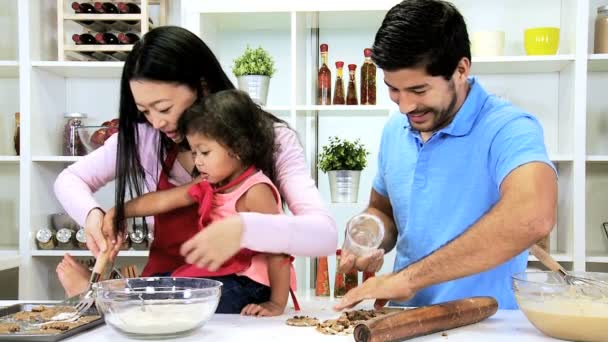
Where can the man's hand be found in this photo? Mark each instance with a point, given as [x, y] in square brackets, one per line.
[215, 244]
[368, 263]
[393, 286]
[264, 309]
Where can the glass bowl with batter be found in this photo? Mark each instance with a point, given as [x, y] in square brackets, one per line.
[561, 310]
[157, 307]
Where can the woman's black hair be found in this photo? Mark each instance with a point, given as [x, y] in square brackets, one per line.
[169, 54]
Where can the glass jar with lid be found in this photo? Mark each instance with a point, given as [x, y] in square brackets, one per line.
[72, 146]
[66, 238]
[45, 238]
[601, 30]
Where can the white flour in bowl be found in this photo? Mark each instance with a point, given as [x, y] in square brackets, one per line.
[161, 319]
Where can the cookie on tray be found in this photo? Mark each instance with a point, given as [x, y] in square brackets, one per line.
[302, 321]
[9, 328]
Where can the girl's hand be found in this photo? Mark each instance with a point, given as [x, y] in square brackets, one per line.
[263, 310]
[215, 244]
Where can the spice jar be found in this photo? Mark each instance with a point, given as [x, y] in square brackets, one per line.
[45, 239]
[351, 279]
[339, 282]
[322, 288]
[601, 30]
[72, 146]
[138, 237]
[65, 238]
[81, 238]
[16, 138]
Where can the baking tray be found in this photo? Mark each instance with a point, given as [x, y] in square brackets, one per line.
[24, 336]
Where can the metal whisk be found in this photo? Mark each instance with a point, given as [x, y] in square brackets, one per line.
[586, 286]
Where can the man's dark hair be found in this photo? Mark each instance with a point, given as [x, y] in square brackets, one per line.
[422, 33]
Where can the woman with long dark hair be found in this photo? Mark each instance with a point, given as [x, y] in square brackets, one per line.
[165, 73]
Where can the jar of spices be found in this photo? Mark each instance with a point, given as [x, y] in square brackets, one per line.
[81, 238]
[65, 238]
[45, 239]
[17, 137]
[138, 237]
[339, 281]
[72, 146]
[601, 30]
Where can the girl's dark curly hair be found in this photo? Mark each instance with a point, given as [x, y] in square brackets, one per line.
[236, 122]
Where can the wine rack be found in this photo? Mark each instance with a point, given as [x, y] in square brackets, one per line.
[70, 23]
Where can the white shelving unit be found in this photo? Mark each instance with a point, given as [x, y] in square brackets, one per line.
[566, 92]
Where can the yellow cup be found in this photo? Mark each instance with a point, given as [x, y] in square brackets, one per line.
[541, 40]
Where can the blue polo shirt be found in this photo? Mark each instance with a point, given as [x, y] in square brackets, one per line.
[439, 188]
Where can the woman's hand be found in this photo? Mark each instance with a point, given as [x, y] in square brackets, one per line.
[93, 224]
[215, 244]
[110, 235]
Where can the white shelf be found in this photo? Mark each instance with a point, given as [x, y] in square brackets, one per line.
[597, 158]
[56, 159]
[81, 69]
[599, 258]
[9, 159]
[102, 17]
[561, 158]
[561, 257]
[276, 108]
[345, 108]
[9, 259]
[9, 69]
[598, 62]
[78, 252]
[520, 64]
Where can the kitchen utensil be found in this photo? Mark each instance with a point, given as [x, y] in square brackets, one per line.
[588, 286]
[551, 305]
[157, 307]
[426, 320]
[87, 299]
[541, 40]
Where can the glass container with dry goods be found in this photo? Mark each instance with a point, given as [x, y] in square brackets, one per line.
[339, 281]
[72, 145]
[16, 138]
[601, 30]
[324, 79]
[351, 93]
[138, 237]
[322, 283]
[81, 238]
[66, 238]
[368, 79]
[45, 238]
[339, 88]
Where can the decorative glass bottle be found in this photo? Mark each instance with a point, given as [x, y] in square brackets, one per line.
[339, 88]
[339, 280]
[324, 79]
[351, 93]
[368, 79]
[322, 288]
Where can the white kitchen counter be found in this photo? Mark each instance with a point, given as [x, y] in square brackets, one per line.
[505, 325]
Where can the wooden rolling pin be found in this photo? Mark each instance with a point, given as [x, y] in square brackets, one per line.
[426, 320]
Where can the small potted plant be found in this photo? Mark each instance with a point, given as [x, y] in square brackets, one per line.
[253, 70]
[343, 161]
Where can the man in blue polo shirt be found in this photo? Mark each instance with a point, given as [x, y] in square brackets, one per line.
[464, 185]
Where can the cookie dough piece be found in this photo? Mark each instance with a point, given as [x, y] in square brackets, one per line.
[6, 328]
[302, 321]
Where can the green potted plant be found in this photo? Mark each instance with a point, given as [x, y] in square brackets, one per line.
[343, 161]
[253, 70]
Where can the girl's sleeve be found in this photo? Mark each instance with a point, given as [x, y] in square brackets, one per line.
[310, 230]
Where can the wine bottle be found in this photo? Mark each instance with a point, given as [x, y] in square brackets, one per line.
[106, 7]
[83, 8]
[128, 7]
[84, 39]
[106, 38]
[127, 38]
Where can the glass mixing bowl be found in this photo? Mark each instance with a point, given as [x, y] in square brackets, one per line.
[157, 307]
[559, 309]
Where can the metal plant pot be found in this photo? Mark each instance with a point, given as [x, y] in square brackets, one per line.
[256, 86]
[344, 185]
